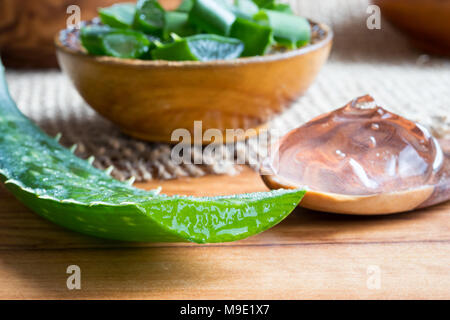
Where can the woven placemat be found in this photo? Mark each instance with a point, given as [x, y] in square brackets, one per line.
[378, 62]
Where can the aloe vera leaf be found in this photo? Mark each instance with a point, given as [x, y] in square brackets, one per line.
[149, 17]
[120, 43]
[201, 47]
[256, 38]
[91, 38]
[177, 50]
[177, 22]
[212, 16]
[120, 15]
[68, 191]
[288, 30]
[245, 9]
[207, 47]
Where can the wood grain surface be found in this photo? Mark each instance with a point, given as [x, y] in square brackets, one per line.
[309, 255]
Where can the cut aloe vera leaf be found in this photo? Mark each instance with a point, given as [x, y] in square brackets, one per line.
[185, 6]
[281, 7]
[127, 45]
[150, 17]
[256, 38]
[119, 15]
[288, 30]
[245, 9]
[208, 47]
[68, 191]
[212, 16]
[201, 47]
[174, 51]
[91, 38]
[177, 22]
[120, 43]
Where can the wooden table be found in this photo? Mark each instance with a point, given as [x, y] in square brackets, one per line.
[309, 255]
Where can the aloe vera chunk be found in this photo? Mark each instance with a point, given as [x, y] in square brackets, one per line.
[245, 9]
[178, 23]
[212, 16]
[120, 15]
[102, 40]
[149, 17]
[288, 30]
[201, 47]
[256, 38]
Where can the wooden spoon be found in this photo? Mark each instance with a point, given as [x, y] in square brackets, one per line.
[361, 159]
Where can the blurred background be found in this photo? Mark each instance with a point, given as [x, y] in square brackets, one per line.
[404, 64]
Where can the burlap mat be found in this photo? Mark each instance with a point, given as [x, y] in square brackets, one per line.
[378, 62]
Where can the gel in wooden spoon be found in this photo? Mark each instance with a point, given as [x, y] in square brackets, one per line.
[361, 159]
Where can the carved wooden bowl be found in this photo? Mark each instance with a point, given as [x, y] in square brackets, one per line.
[151, 99]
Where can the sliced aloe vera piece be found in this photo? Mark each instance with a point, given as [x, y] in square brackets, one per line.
[213, 47]
[256, 38]
[101, 40]
[212, 16]
[288, 30]
[91, 38]
[128, 45]
[177, 22]
[244, 9]
[119, 15]
[150, 17]
[68, 191]
[201, 47]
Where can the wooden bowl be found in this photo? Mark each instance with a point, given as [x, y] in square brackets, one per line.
[426, 22]
[151, 99]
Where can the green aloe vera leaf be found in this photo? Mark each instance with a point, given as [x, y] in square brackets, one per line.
[256, 38]
[102, 40]
[288, 30]
[245, 9]
[201, 47]
[174, 51]
[207, 47]
[177, 22]
[68, 191]
[91, 38]
[120, 15]
[185, 6]
[212, 16]
[128, 45]
[150, 17]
